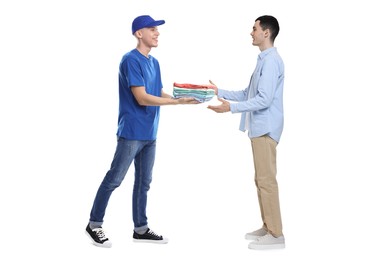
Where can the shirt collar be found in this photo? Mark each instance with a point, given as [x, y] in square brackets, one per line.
[265, 52]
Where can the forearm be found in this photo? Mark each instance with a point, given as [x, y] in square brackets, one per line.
[254, 104]
[150, 100]
[232, 95]
[165, 95]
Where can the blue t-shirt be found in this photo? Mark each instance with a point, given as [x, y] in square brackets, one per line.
[137, 122]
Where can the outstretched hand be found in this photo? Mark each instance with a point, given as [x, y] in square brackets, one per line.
[185, 100]
[221, 108]
[214, 87]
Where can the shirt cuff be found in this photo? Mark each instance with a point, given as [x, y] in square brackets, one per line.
[233, 108]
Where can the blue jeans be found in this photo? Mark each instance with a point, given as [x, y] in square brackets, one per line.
[143, 154]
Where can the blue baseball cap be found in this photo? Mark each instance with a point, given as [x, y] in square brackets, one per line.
[144, 21]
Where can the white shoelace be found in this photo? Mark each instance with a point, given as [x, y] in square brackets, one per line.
[151, 232]
[100, 233]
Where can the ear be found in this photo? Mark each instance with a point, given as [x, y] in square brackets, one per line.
[138, 34]
[267, 33]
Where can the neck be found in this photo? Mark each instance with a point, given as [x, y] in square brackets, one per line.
[144, 51]
[265, 46]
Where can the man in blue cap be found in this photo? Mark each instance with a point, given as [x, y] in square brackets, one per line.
[140, 98]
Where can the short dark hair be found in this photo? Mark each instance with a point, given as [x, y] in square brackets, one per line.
[271, 23]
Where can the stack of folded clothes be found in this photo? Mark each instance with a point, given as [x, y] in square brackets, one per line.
[201, 93]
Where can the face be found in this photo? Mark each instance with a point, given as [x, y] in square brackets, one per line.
[149, 36]
[258, 35]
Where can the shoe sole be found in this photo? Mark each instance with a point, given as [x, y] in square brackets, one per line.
[164, 241]
[105, 245]
[265, 247]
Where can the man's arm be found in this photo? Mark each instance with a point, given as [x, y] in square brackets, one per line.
[145, 99]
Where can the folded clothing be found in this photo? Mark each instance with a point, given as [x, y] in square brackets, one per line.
[201, 93]
[193, 86]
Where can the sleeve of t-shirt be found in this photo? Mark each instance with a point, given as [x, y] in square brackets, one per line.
[132, 70]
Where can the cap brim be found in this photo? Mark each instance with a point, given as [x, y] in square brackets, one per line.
[155, 23]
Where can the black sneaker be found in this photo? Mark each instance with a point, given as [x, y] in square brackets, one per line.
[98, 237]
[149, 237]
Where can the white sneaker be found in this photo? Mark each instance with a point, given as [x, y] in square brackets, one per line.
[256, 234]
[267, 242]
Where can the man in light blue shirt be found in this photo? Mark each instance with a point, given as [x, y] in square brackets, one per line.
[261, 108]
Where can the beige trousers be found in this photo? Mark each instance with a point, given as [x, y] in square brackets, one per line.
[264, 158]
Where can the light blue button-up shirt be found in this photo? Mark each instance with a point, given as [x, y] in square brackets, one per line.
[261, 103]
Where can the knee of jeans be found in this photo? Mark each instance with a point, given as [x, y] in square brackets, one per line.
[146, 183]
[112, 184]
[147, 187]
[143, 185]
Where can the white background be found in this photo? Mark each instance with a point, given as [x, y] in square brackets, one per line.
[59, 102]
